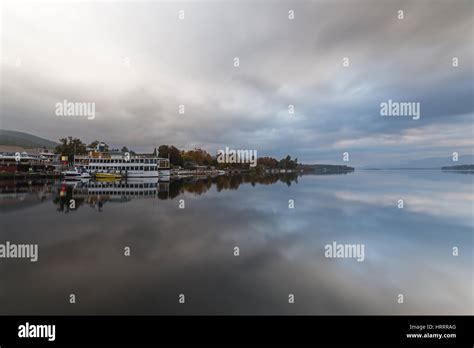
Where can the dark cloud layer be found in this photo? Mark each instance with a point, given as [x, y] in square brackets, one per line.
[80, 52]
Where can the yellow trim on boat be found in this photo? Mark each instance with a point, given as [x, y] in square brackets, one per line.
[107, 176]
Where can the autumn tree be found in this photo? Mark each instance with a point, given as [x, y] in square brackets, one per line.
[199, 156]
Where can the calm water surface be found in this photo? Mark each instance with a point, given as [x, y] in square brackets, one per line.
[407, 251]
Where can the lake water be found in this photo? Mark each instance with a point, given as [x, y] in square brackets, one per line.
[190, 251]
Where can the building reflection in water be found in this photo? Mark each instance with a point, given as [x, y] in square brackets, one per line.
[69, 196]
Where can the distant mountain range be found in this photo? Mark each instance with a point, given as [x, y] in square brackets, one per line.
[25, 140]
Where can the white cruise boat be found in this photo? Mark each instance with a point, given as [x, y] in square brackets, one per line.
[131, 166]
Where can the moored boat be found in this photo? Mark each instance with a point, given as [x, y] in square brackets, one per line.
[75, 174]
[126, 165]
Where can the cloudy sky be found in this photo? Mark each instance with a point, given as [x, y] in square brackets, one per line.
[138, 62]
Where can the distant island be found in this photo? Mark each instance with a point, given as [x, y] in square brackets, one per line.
[324, 169]
[460, 168]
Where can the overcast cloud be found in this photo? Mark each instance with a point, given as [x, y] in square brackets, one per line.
[78, 51]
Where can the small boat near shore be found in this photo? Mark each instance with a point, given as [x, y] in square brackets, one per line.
[180, 173]
[75, 174]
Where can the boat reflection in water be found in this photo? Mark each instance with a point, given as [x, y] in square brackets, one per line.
[96, 193]
[283, 250]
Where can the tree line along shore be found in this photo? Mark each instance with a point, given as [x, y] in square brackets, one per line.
[195, 160]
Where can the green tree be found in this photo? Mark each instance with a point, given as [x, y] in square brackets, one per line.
[70, 146]
[268, 162]
[163, 151]
[174, 154]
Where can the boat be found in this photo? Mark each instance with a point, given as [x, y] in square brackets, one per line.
[128, 166]
[107, 176]
[75, 174]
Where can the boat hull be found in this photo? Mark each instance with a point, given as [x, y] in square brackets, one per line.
[146, 174]
[72, 178]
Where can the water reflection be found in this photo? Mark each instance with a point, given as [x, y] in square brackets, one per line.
[190, 250]
[96, 194]
[21, 194]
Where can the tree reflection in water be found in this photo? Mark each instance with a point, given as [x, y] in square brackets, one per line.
[70, 196]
